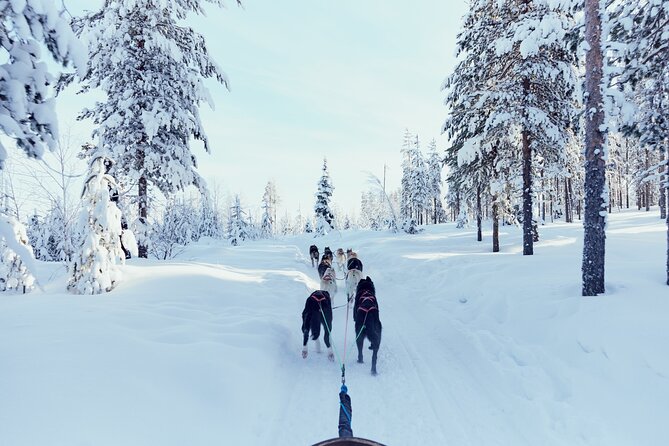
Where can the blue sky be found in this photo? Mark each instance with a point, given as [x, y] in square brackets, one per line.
[312, 79]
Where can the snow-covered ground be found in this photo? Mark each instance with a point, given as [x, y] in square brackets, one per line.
[478, 348]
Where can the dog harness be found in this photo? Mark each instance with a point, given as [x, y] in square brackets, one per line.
[316, 297]
[366, 296]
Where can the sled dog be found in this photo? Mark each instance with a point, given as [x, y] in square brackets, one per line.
[313, 254]
[317, 312]
[340, 258]
[366, 317]
[329, 282]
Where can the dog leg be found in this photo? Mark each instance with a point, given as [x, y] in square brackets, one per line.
[330, 354]
[305, 340]
[359, 342]
[374, 352]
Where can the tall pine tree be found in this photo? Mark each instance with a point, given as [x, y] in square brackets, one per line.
[323, 213]
[152, 70]
[595, 155]
[643, 29]
[434, 168]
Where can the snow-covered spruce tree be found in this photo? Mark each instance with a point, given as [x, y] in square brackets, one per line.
[59, 235]
[16, 261]
[419, 184]
[414, 186]
[308, 227]
[238, 226]
[595, 155]
[209, 218]
[366, 209]
[271, 197]
[35, 233]
[152, 70]
[532, 90]
[462, 220]
[434, 168]
[177, 227]
[383, 205]
[406, 202]
[297, 227]
[27, 112]
[621, 155]
[94, 266]
[471, 156]
[643, 29]
[45, 239]
[286, 227]
[266, 222]
[323, 213]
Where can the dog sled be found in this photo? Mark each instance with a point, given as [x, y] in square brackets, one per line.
[346, 437]
[353, 441]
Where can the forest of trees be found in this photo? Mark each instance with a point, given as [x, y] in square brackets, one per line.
[555, 110]
[551, 117]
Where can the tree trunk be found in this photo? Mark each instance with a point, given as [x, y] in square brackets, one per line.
[528, 244]
[567, 208]
[666, 184]
[142, 202]
[495, 225]
[543, 198]
[595, 164]
[456, 210]
[646, 189]
[627, 173]
[479, 232]
[610, 196]
[663, 197]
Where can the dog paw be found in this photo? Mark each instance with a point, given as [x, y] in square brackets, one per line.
[374, 373]
[331, 356]
[360, 361]
[304, 353]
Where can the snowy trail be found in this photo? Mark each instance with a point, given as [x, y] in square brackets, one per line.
[477, 348]
[427, 360]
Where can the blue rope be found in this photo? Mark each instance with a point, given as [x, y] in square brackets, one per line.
[348, 415]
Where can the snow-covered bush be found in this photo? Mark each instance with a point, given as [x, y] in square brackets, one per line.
[16, 261]
[94, 268]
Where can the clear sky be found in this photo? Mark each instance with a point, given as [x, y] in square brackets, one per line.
[316, 78]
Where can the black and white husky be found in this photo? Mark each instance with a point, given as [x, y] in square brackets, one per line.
[317, 311]
[353, 273]
[366, 317]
